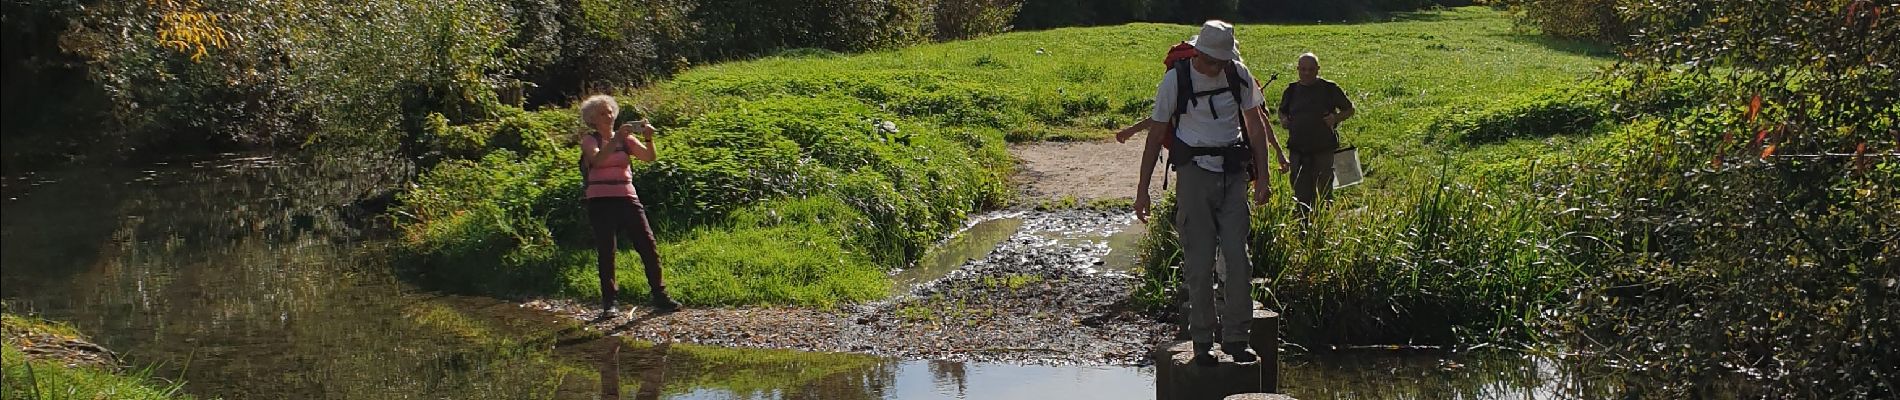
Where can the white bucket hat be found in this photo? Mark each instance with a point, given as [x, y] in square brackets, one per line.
[1217, 40]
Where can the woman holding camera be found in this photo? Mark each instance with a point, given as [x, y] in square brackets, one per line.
[612, 205]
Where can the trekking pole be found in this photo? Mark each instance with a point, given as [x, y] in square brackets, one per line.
[1165, 168]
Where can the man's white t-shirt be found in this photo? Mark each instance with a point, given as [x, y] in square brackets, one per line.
[1198, 127]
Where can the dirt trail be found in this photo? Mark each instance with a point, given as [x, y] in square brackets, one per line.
[1084, 170]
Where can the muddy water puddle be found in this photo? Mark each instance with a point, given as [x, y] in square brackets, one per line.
[1105, 241]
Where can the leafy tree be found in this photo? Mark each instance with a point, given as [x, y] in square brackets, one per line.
[1760, 233]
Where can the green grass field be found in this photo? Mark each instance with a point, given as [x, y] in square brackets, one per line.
[1081, 83]
[771, 168]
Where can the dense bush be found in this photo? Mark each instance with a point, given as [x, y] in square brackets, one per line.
[964, 19]
[195, 75]
[198, 75]
[1194, 11]
[581, 47]
[1709, 265]
[1597, 20]
[832, 24]
[522, 133]
[1756, 234]
[485, 225]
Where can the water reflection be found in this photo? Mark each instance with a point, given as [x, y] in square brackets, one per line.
[245, 276]
[1409, 375]
[1434, 374]
[972, 243]
[949, 380]
[951, 377]
[647, 387]
[1124, 248]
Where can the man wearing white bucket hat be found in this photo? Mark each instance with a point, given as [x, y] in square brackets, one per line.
[1211, 104]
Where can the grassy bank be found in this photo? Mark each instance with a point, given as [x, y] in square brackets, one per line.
[1694, 216]
[800, 178]
[775, 201]
[51, 376]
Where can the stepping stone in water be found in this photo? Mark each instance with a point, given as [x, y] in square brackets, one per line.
[1177, 377]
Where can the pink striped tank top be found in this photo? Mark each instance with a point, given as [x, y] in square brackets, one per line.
[609, 178]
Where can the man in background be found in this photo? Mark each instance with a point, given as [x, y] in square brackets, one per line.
[1310, 110]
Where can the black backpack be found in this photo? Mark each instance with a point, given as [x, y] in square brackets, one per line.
[1237, 157]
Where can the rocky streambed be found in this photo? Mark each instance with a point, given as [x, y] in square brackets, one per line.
[1051, 291]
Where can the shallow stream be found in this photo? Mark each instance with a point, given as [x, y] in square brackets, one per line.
[250, 277]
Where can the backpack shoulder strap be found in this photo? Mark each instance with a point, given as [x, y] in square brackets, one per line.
[1182, 93]
[1237, 85]
[582, 160]
[1235, 82]
[1184, 89]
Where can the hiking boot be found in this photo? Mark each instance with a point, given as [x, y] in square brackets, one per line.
[664, 304]
[609, 295]
[1239, 350]
[608, 313]
[1204, 354]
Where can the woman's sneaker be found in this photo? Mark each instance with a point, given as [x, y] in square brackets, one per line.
[608, 313]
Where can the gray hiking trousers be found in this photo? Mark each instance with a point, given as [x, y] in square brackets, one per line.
[1211, 215]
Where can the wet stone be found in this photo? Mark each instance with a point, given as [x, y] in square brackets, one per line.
[1265, 330]
[1177, 377]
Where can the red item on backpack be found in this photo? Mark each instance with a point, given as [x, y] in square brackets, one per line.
[1176, 55]
[1180, 51]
